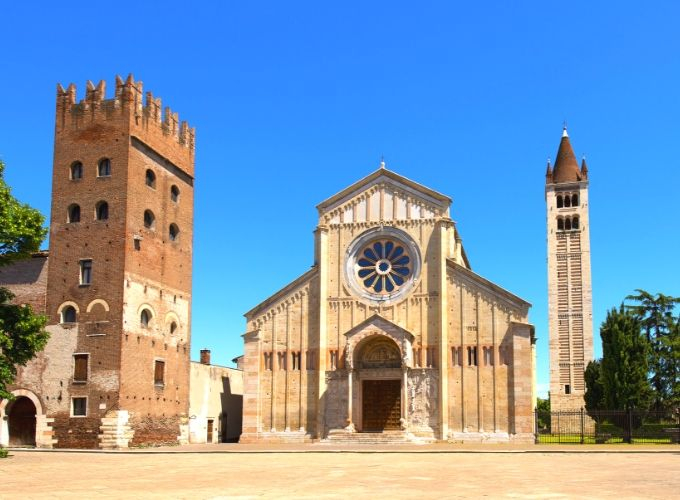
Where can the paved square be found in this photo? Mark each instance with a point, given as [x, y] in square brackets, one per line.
[319, 472]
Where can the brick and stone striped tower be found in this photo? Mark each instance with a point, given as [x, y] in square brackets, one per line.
[570, 315]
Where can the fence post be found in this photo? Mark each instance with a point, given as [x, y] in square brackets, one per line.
[582, 426]
[536, 425]
[629, 423]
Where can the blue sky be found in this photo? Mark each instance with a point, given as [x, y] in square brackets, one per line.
[293, 101]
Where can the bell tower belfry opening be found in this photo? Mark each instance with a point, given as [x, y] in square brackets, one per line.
[570, 316]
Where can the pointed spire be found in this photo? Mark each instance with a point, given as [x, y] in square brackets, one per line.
[382, 161]
[584, 168]
[566, 167]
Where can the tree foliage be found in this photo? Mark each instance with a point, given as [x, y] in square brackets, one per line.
[21, 331]
[624, 365]
[655, 313]
[594, 396]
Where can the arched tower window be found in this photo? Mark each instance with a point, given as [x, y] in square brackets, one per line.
[574, 223]
[68, 314]
[560, 224]
[567, 224]
[149, 219]
[173, 232]
[104, 168]
[174, 193]
[101, 211]
[574, 200]
[150, 179]
[73, 213]
[559, 201]
[173, 327]
[76, 170]
[145, 318]
[567, 201]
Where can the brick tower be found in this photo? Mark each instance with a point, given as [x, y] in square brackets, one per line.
[570, 314]
[119, 278]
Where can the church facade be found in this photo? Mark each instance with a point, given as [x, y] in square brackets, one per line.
[389, 332]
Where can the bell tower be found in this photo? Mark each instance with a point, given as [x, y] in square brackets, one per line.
[570, 316]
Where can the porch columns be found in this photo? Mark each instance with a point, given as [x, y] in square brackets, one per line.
[404, 398]
[350, 423]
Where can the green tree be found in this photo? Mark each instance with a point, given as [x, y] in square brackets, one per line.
[543, 412]
[21, 331]
[594, 396]
[624, 364]
[655, 313]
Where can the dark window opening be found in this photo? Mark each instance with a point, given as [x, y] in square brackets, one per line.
[174, 193]
[159, 372]
[104, 168]
[102, 211]
[560, 224]
[574, 223]
[137, 242]
[174, 232]
[567, 224]
[76, 170]
[80, 367]
[79, 407]
[150, 179]
[574, 200]
[173, 327]
[149, 219]
[145, 318]
[559, 201]
[472, 356]
[68, 314]
[73, 213]
[567, 201]
[567, 389]
[85, 272]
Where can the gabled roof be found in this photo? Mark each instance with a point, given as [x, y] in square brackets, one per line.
[497, 290]
[379, 320]
[289, 288]
[429, 194]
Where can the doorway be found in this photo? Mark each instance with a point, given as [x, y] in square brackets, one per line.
[211, 426]
[381, 405]
[21, 422]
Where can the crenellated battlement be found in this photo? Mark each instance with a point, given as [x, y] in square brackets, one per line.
[127, 102]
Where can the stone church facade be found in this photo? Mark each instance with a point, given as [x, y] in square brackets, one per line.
[390, 331]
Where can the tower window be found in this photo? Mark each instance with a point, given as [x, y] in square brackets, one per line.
[150, 179]
[560, 203]
[574, 200]
[78, 407]
[174, 193]
[159, 372]
[149, 219]
[560, 224]
[80, 367]
[472, 356]
[173, 327]
[104, 168]
[73, 213]
[173, 232]
[574, 223]
[68, 314]
[567, 389]
[76, 170]
[86, 272]
[145, 318]
[101, 211]
[567, 201]
[567, 224]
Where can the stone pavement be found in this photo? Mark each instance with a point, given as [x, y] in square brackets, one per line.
[322, 471]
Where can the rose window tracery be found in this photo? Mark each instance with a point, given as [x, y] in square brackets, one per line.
[383, 266]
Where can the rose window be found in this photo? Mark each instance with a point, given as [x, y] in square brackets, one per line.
[383, 266]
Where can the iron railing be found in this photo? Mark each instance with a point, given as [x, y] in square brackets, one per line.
[607, 426]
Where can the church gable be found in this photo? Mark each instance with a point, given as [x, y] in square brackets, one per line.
[383, 196]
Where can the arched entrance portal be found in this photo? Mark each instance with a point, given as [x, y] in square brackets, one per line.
[21, 422]
[379, 368]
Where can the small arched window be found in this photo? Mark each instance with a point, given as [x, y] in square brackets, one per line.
[73, 214]
[101, 211]
[104, 168]
[567, 224]
[149, 219]
[574, 200]
[574, 223]
[559, 201]
[567, 201]
[173, 327]
[174, 232]
[76, 170]
[150, 179]
[68, 314]
[145, 318]
[174, 193]
[560, 224]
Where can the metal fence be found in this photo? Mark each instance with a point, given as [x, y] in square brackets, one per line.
[607, 426]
